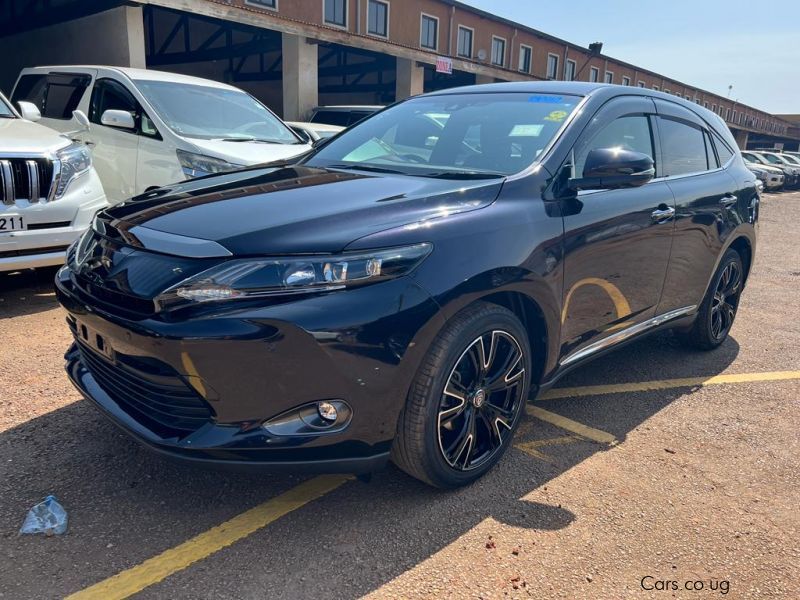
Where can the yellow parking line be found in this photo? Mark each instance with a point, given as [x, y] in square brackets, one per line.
[153, 570]
[532, 448]
[582, 430]
[665, 384]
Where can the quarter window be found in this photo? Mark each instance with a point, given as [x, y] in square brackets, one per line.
[336, 12]
[684, 147]
[629, 133]
[464, 42]
[552, 66]
[525, 53]
[429, 32]
[378, 18]
[498, 51]
[723, 152]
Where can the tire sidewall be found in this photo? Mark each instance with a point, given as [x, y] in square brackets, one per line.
[731, 256]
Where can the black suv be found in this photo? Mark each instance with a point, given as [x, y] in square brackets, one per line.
[406, 288]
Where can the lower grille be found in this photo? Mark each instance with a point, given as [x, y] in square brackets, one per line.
[25, 179]
[150, 392]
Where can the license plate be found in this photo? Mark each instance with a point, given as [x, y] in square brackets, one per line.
[12, 223]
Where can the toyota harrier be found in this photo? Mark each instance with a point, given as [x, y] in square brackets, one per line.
[403, 290]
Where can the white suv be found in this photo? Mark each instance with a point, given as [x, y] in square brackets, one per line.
[49, 191]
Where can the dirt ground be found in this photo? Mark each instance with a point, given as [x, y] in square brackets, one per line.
[692, 491]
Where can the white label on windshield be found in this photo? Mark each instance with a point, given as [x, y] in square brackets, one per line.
[526, 131]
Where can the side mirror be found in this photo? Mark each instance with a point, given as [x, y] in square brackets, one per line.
[82, 119]
[614, 168]
[29, 111]
[118, 118]
[303, 135]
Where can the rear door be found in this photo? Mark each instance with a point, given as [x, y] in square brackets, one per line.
[617, 241]
[706, 197]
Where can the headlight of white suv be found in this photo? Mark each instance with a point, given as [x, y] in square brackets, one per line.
[75, 160]
[261, 277]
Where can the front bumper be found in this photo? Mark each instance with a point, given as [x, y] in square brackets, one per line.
[229, 373]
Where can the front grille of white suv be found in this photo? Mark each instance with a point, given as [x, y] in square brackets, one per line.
[28, 179]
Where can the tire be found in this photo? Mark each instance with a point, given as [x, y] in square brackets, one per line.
[433, 440]
[720, 304]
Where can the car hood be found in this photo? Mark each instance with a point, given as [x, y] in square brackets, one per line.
[248, 153]
[288, 210]
[24, 137]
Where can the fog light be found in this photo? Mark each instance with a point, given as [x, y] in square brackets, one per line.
[327, 411]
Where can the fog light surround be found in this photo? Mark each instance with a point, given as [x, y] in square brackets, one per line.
[314, 418]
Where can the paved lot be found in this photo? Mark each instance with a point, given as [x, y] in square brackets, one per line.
[608, 490]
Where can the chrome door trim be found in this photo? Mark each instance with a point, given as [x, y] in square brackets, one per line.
[625, 334]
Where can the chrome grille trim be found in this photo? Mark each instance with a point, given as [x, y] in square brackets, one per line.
[9, 195]
[33, 180]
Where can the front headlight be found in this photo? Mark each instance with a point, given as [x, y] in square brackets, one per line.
[260, 277]
[75, 160]
[197, 165]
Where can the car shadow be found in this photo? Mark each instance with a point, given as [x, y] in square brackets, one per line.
[127, 505]
[27, 292]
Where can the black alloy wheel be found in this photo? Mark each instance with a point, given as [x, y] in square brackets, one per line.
[467, 398]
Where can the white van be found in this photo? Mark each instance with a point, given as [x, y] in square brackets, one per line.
[150, 128]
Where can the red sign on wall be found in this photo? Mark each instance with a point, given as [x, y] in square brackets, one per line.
[444, 64]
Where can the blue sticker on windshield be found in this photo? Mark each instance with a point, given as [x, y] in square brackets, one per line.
[546, 99]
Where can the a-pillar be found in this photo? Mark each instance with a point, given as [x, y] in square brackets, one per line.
[410, 79]
[300, 91]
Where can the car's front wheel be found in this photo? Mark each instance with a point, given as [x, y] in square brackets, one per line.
[467, 398]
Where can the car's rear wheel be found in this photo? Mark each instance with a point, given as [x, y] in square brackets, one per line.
[467, 398]
[718, 310]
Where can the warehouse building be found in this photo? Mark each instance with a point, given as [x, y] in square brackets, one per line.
[296, 54]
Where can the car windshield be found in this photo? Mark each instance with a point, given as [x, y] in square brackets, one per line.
[215, 113]
[773, 159]
[453, 135]
[5, 110]
[789, 160]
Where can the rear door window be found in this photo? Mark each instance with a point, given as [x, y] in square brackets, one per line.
[56, 95]
[683, 147]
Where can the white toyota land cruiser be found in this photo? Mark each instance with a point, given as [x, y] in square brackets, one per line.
[49, 190]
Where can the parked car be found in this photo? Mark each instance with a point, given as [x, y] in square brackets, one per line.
[344, 116]
[312, 132]
[372, 302]
[771, 177]
[49, 191]
[150, 128]
[791, 174]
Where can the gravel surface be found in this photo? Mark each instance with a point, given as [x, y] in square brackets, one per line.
[703, 486]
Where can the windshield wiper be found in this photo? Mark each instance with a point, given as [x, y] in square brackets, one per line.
[247, 139]
[463, 175]
[367, 168]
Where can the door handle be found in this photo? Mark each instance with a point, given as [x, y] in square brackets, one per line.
[728, 200]
[662, 214]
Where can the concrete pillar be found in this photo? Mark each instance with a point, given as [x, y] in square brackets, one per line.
[480, 79]
[410, 79]
[134, 38]
[300, 91]
[741, 136]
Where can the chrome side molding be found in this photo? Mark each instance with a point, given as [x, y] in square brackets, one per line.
[625, 334]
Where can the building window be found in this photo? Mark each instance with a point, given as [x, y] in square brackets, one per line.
[609, 77]
[727, 113]
[498, 51]
[733, 117]
[569, 70]
[525, 54]
[655, 88]
[429, 32]
[552, 66]
[336, 12]
[273, 4]
[594, 74]
[714, 108]
[465, 41]
[640, 83]
[626, 81]
[666, 90]
[705, 104]
[378, 18]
